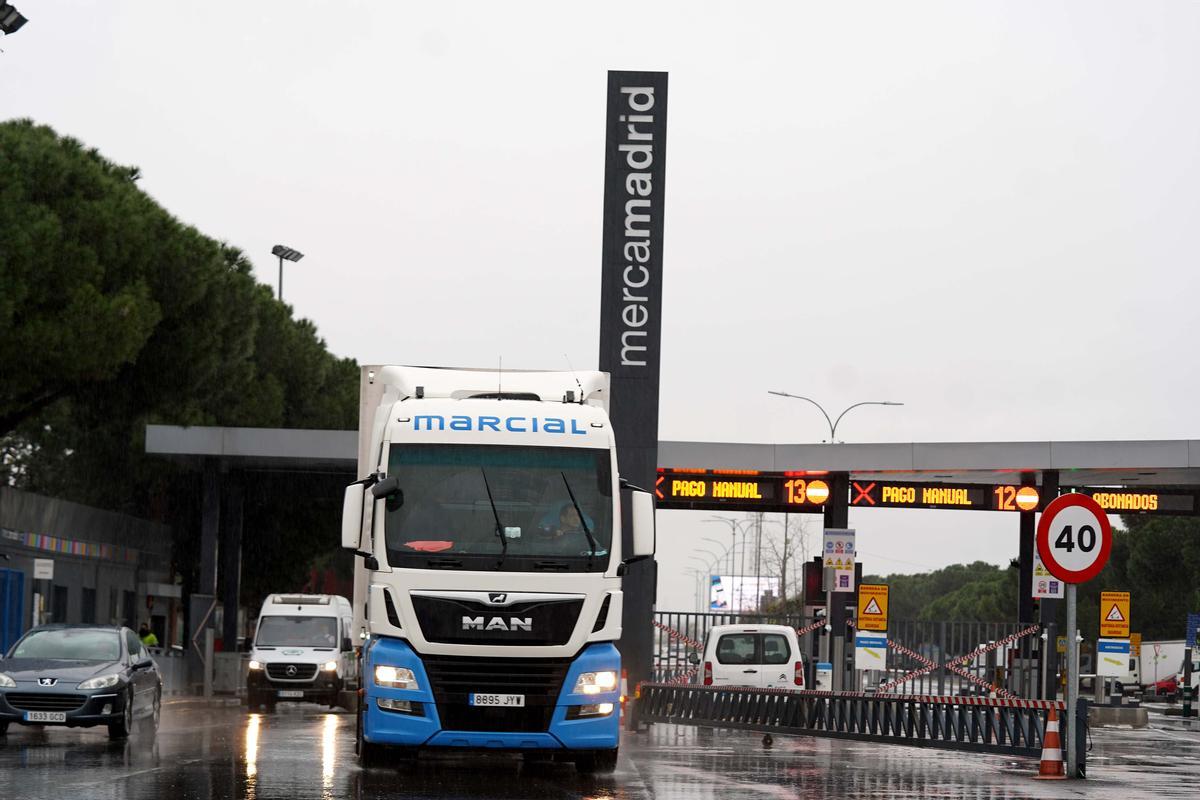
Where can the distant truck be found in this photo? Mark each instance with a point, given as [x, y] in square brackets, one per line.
[487, 525]
[303, 650]
[1160, 660]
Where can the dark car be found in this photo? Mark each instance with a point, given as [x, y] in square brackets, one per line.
[80, 676]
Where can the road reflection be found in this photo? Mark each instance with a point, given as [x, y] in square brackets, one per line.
[251, 756]
[328, 754]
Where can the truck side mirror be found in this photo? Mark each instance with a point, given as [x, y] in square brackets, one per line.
[352, 512]
[389, 490]
[643, 524]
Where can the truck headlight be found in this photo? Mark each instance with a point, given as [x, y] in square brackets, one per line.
[395, 677]
[255, 664]
[596, 682]
[101, 681]
[330, 666]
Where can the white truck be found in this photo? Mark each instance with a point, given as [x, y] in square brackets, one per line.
[487, 599]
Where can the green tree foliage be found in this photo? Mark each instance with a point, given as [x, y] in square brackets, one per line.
[114, 314]
[960, 592]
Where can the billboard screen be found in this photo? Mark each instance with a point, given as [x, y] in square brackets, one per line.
[739, 592]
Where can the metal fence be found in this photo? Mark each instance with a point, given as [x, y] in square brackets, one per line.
[1014, 666]
[1014, 727]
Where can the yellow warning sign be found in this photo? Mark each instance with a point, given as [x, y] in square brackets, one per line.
[873, 607]
[1135, 645]
[1114, 615]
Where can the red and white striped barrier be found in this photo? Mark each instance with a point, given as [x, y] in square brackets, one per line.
[679, 637]
[954, 664]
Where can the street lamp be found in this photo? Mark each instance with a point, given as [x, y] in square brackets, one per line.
[834, 423]
[735, 527]
[11, 20]
[285, 254]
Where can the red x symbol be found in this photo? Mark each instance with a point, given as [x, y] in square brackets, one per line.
[863, 494]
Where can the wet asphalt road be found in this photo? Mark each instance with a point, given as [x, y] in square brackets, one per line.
[220, 751]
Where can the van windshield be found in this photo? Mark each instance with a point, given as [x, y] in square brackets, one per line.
[459, 500]
[297, 632]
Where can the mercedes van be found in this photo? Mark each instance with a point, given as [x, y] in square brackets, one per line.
[302, 650]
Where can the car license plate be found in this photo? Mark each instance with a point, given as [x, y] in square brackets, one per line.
[504, 700]
[45, 716]
[291, 693]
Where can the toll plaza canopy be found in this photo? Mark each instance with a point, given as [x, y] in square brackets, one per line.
[967, 474]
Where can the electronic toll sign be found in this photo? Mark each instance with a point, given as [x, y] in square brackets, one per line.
[733, 490]
[961, 496]
[808, 491]
[1143, 501]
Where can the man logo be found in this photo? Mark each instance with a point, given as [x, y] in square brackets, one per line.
[47, 681]
[496, 598]
[291, 670]
[497, 624]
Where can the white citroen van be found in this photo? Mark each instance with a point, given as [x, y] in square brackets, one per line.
[302, 650]
[755, 656]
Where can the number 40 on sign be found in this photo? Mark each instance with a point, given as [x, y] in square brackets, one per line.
[1074, 538]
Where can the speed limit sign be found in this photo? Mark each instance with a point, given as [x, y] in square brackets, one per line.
[1074, 538]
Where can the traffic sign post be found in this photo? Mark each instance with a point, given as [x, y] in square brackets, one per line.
[1074, 539]
[1114, 615]
[873, 607]
[1193, 624]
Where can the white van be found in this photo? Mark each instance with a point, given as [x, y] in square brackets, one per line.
[756, 656]
[302, 650]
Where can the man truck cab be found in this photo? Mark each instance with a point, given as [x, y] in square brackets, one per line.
[756, 656]
[303, 650]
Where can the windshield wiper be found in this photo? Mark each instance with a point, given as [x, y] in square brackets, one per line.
[582, 520]
[496, 514]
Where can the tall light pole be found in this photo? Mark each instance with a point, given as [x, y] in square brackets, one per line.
[285, 254]
[833, 423]
[735, 527]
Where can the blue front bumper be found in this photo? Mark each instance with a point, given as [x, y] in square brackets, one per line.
[424, 728]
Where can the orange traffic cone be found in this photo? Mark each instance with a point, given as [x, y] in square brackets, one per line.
[1051, 768]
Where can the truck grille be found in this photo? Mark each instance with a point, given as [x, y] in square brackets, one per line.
[451, 679]
[443, 620]
[302, 672]
[44, 702]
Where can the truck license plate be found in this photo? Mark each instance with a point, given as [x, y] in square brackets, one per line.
[45, 716]
[505, 700]
[291, 693]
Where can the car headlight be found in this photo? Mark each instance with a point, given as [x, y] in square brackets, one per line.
[331, 666]
[7, 682]
[395, 677]
[101, 681]
[255, 664]
[596, 682]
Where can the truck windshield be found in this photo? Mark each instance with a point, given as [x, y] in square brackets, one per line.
[297, 632]
[447, 514]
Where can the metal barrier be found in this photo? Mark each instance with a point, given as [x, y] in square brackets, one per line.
[229, 673]
[172, 666]
[980, 724]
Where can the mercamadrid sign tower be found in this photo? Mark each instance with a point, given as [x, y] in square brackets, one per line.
[631, 311]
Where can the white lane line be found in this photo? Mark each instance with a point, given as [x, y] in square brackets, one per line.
[116, 778]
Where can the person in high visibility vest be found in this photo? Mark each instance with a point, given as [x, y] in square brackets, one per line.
[147, 636]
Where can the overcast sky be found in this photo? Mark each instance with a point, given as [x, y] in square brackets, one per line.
[987, 211]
